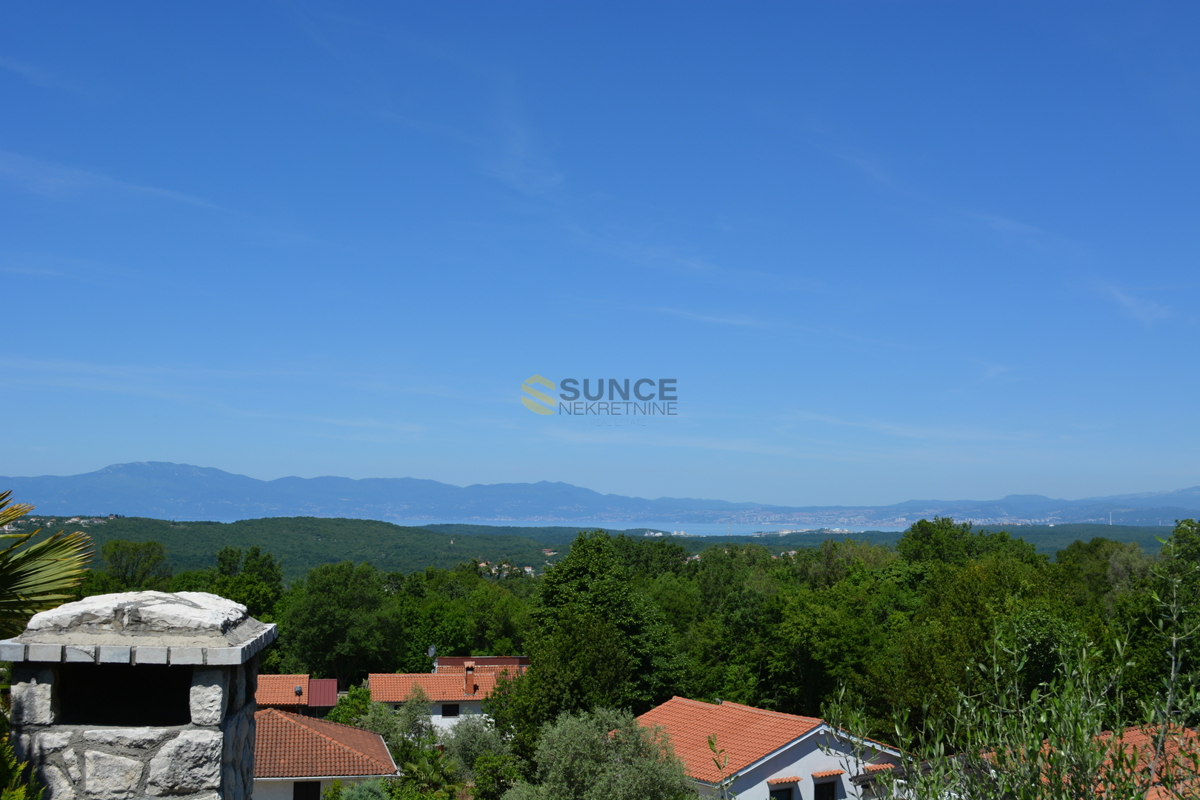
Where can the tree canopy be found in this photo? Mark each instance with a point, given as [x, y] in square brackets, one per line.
[603, 755]
[625, 623]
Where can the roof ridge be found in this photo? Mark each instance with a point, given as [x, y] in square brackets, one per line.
[452, 683]
[417, 674]
[771, 711]
[721, 704]
[301, 717]
[299, 721]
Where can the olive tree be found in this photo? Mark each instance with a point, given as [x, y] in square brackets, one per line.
[603, 755]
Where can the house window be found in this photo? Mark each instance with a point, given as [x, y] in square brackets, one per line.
[306, 790]
[781, 794]
[449, 709]
[825, 791]
[99, 694]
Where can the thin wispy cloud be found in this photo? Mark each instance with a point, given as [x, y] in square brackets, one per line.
[715, 320]
[522, 161]
[48, 273]
[907, 431]
[181, 385]
[42, 78]
[988, 371]
[592, 434]
[50, 265]
[307, 24]
[148, 378]
[685, 262]
[866, 166]
[828, 138]
[398, 427]
[58, 182]
[1145, 311]
[500, 136]
[799, 449]
[650, 254]
[135, 370]
[938, 209]
[1006, 225]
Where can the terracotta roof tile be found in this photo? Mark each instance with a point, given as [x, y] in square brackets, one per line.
[782, 781]
[828, 773]
[1177, 763]
[280, 690]
[513, 665]
[878, 767]
[746, 734]
[395, 688]
[485, 669]
[291, 746]
[322, 692]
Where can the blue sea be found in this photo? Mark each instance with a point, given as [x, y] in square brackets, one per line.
[690, 528]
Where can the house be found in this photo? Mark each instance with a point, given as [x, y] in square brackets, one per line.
[457, 686]
[298, 694]
[513, 665]
[453, 693]
[1130, 753]
[296, 757]
[768, 755]
[1178, 768]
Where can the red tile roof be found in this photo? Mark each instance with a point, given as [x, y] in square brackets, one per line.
[828, 773]
[291, 746]
[1177, 764]
[441, 688]
[513, 665]
[322, 692]
[280, 690]
[781, 781]
[745, 734]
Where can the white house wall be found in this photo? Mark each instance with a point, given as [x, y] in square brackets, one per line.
[443, 724]
[801, 759]
[281, 789]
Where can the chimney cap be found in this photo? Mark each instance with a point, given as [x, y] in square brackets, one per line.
[119, 626]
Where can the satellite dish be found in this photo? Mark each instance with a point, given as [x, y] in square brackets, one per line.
[432, 651]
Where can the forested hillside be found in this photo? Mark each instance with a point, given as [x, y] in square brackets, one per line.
[301, 543]
[630, 621]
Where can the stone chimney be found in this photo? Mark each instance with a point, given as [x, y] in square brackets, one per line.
[469, 678]
[138, 695]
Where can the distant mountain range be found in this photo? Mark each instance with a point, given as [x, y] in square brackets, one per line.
[180, 491]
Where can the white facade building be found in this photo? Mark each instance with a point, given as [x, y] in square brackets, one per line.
[768, 755]
[296, 757]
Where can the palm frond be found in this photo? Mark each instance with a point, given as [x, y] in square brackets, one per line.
[36, 575]
[10, 512]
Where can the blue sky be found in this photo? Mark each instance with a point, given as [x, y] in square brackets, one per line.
[889, 250]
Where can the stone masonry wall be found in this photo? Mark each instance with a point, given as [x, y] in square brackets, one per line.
[210, 759]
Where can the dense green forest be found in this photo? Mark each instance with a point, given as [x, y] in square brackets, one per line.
[556, 536]
[301, 543]
[891, 631]
[637, 620]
